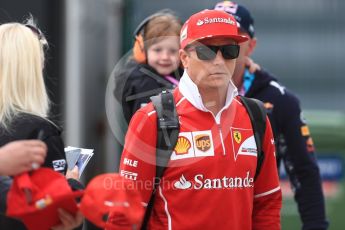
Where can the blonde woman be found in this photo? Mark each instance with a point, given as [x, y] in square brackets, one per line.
[24, 103]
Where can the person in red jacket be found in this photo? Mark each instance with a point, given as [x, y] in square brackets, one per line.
[209, 180]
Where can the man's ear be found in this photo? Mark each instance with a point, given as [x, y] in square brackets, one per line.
[252, 46]
[184, 57]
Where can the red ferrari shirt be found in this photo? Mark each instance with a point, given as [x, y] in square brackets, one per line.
[209, 180]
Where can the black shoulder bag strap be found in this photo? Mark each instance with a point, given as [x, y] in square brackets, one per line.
[257, 114]
[168, 128]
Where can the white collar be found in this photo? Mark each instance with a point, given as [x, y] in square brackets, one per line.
[191, 92]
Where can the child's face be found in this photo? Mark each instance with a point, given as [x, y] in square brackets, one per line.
[163, 56]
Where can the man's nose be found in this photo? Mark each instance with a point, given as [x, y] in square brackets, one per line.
[219, 59]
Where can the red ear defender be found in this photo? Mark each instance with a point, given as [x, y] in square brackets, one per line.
[139, 54]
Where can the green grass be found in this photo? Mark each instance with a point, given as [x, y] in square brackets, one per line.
[328, 132]
[335, 208]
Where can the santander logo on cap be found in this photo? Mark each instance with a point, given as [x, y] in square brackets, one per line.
[208, 20]
[210, 23]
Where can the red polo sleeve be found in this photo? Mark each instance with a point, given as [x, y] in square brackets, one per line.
[139, 153]
[267, 193]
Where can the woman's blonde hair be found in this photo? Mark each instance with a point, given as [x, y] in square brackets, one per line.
[22, 87]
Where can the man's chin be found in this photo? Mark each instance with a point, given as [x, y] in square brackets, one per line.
[218, 75]
[218, 83]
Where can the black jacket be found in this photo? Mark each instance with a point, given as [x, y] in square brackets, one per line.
[136, 83]
[27, 126]
[294, 147]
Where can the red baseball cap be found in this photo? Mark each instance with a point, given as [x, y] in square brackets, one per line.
[210, 24]
[112, 202]
[35, 197]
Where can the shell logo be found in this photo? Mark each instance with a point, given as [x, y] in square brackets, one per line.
[237, 136]
[183, 145]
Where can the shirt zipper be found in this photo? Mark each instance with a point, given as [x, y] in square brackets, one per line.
[221, 138]
[220, 132]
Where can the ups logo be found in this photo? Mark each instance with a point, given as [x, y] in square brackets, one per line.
[203, 142]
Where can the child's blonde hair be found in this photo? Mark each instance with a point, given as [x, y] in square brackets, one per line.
[160, 27]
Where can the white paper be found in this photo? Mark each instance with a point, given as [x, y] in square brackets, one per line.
[83, 158]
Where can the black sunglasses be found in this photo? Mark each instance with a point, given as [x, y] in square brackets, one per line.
[209, 52]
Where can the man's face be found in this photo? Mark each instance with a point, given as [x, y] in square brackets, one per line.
[209, 74]
[246, 50]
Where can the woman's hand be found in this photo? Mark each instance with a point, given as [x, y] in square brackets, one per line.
[20, 156]
[68, 221]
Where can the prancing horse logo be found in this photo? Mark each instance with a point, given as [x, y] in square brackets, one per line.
[237, 136]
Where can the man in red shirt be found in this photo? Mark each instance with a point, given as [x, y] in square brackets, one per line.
[209, 180]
